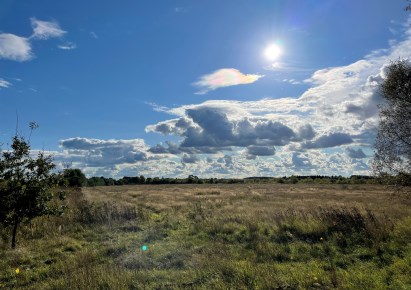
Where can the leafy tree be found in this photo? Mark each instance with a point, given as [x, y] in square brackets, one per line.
[74, 177]
[95, 181]
[393, 143]
[25, 185]
[142, 179]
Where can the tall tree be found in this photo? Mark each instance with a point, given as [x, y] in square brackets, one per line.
[74, 177]
[393, 143]
[26, 185]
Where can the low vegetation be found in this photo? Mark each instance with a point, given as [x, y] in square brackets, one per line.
[258, 236]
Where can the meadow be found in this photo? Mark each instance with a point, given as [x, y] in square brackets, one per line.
[216, 236]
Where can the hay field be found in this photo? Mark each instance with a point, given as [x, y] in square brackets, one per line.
[251, 198]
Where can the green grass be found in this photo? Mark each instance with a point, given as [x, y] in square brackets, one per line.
[210, 241]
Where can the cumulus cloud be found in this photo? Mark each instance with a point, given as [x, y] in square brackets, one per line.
[339, 109]
[327, 141]
[314, 133]
[102, 153]
[45, 29]
[224, 77]
[14, 47]
[301, 162]
[253, 151]
[227, 160]
[210, 130]
[18, 48]
[358, 154]
[175, 126]
[189, 158]
[306, 132]
[4, 83]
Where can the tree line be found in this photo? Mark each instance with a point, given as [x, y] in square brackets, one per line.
[76, 178]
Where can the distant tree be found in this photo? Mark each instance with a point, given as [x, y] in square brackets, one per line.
[26, 185]
[109, 181]
[192, 179]
[74, 177]
[95, 181]
[393, 143]
[142, 179]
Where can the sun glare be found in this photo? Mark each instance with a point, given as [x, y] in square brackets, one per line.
[272, 52]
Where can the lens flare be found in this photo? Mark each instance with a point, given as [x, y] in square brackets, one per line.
[273, 52]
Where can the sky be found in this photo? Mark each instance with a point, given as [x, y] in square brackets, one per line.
[212, 88]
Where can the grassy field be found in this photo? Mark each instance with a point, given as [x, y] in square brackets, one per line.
[243, 236]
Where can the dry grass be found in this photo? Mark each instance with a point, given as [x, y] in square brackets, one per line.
[234, 236]
[255, 198]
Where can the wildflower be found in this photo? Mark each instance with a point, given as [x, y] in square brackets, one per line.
[17, 271]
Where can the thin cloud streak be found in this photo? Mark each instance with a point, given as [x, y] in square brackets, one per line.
[45, 29]
[67, 46]
[4, 83]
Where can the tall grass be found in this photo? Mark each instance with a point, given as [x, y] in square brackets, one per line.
[210, 242]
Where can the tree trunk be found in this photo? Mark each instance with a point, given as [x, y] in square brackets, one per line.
[13, 240]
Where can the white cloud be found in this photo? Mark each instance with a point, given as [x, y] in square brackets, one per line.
[307, 134]
[189, 158]
[358, 154]
[224, 77]
[67, 46]
[46, 29]
[104, 153]
[14, 47]
[18, 48]
[4, 83]
[315, 133]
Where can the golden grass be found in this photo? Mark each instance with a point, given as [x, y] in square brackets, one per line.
[217, 236]
[254, 198]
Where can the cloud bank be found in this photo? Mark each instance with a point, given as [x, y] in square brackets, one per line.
[325, 130]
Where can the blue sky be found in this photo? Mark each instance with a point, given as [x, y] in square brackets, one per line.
[171, 88]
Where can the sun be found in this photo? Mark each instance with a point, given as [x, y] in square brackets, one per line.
[273, 52]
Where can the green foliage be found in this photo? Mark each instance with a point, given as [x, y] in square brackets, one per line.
[392, 159]
[192, 179]
[26, 185]
[74, 177]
